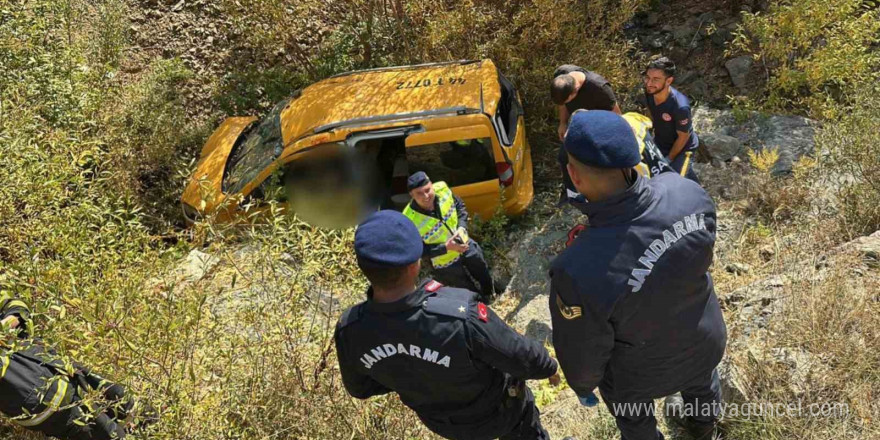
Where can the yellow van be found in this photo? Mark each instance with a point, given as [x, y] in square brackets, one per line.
[460, 122]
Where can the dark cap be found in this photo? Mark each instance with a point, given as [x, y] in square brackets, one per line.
[387, 239]
[602, 139]
[417, 180]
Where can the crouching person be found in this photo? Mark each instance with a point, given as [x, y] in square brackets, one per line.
[41, 392]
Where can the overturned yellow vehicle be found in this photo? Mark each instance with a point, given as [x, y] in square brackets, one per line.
[365, 132]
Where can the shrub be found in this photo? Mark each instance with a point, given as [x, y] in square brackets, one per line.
[816, 51]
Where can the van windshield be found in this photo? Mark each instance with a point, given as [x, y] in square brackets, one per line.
[261, 145]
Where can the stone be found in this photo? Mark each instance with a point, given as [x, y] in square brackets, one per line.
[685, 76]
[721, 36]
[792, 136]
[683, 35]
[720, 146]
[699, 89]
[869, 248]
[767, 253]
[738, 268]
[652, 19]
[656, 41]
[196, 265]
[738, 68]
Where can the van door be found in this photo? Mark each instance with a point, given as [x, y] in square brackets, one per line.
[464, 158]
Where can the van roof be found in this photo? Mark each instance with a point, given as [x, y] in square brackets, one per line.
[392, 93]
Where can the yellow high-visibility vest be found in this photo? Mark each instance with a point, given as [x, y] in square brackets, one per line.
[434, 230]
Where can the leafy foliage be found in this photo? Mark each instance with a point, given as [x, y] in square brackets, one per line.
[816, 51]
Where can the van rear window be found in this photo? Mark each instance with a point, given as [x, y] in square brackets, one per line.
[457, 163]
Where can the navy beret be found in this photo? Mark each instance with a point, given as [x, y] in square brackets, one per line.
[417, 180]
[387, 239]
[602, 139]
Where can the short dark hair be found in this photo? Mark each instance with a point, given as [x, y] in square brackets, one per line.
[561, 88]
[383, 277]
[664, 64]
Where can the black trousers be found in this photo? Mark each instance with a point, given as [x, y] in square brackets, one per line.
[636, 420]
[469, 272]
[529, 426]
[517, 419]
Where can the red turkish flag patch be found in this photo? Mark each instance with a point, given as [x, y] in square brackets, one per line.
[433, 286]
[483, 312]
[573, 234]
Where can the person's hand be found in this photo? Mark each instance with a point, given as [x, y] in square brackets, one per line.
[9, 322]
[452, 245]
[561, 131]
[555, 380]
[590, 401]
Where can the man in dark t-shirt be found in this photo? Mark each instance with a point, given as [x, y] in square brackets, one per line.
[574, 88]
[671, 113]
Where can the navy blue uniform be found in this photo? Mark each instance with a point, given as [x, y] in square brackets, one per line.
[670, 118]
[449, 358]
[634, 309]
[471, 271]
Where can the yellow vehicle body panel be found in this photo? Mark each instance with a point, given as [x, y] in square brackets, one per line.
[206, 181]
[396, 91]
[333, 109]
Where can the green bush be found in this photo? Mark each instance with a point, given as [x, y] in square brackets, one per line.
[816, 52]
[855, 155]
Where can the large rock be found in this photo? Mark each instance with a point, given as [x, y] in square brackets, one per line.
[720, 146]
[197, 265]
[531, 257]
[738, 68]
[697, 90]
[791, 136]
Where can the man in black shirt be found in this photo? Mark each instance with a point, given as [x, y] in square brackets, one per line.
[575, 88]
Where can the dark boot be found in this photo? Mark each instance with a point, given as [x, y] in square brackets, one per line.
[675, 411]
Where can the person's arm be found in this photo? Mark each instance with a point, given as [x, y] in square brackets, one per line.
[495, 343]
[433, 250]
[683, 128]
[358, 385]
[564, 115]
[610, 100]
[461, 211]
[678, 145]
[582, 335]
[14, 313]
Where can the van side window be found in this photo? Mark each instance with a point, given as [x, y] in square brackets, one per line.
[509, 111]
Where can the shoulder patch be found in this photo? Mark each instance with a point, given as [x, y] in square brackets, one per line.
[483, 312]
[433, 286]
[573, 234]
[350, 316]
[452, 307]
[568, 312]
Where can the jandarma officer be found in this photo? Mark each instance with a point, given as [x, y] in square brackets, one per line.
[41, 392]
[441, 219]
[633, 308]
[449, 358]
